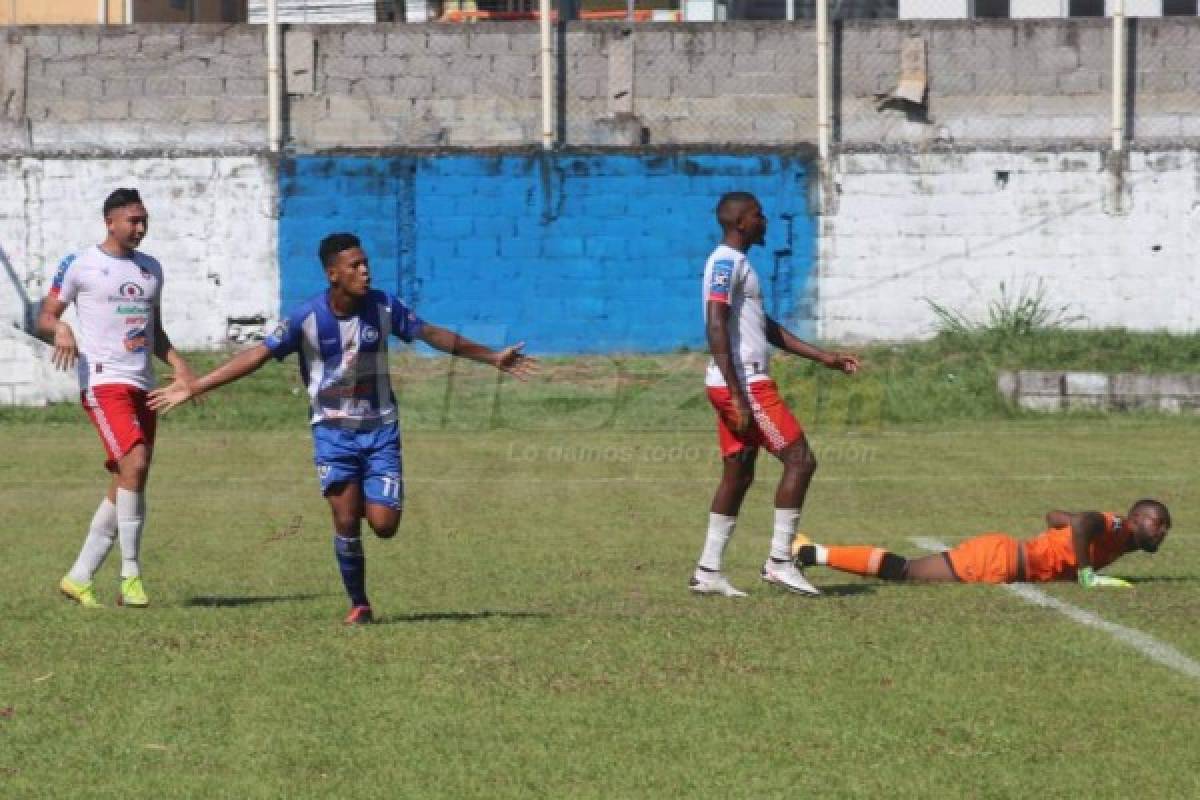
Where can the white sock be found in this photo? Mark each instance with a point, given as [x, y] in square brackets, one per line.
[99, 540]
[720, 528]
[786, 520]
[822, 555]
[131, 515]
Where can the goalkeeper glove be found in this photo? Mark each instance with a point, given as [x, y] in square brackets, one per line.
[1088, 579]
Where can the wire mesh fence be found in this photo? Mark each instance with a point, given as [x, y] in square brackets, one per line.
[965, 83]
[742, 85]
[1164, 79]
[951, 73]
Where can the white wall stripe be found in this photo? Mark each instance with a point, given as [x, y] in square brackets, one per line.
[1144, 643]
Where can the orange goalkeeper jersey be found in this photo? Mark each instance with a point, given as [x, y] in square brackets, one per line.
[1050, 555]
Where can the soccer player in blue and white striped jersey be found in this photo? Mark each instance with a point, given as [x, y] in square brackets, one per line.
[340, 337]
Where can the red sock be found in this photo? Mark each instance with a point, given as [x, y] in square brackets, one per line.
[858, 559]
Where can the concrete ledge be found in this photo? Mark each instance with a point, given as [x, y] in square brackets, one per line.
[1062, 391]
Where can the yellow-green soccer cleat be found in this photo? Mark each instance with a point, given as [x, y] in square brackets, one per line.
[81, 593]
[133, 593]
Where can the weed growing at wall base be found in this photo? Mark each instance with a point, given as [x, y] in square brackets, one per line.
[1023, 313]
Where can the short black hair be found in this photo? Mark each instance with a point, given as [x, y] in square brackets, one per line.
[119, 198]
[730, 207]
[335, 243]
[1160, 509]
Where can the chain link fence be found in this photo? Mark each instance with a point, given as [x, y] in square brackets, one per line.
[968, 83]
[1164, 78]
[903, 73]
[736, 84]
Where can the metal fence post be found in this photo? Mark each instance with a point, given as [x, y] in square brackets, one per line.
[547, 59]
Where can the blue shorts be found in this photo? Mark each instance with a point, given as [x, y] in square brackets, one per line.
[368, 457]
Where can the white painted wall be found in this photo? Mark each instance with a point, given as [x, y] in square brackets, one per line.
[1136, 8]
[27, 376]
[316, 11]
[934, 9]
[951, 228]
[212, 225]
[1024, 9]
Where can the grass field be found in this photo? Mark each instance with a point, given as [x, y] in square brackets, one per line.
[538, 639]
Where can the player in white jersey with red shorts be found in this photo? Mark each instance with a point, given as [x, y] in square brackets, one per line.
[116, 291]
[750, 412]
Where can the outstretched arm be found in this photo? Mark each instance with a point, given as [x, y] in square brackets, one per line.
[1086, 527]
[181, 391]
[510, 359]
[51, 328]
[1059, 519]
[782, 338]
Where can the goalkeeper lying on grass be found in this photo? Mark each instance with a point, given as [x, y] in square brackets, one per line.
[1073, 547]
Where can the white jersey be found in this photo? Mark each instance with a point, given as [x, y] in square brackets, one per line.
[729, 278]
[115, 300]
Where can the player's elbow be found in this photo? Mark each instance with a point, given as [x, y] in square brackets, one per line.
[45, 324]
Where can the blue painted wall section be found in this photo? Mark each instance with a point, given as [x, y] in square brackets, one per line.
[572, 253]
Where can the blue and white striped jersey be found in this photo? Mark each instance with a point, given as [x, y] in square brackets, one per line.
[344, 360]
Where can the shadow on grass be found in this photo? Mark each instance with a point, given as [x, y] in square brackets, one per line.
[459, 616]
[227, 601]
[848, 589]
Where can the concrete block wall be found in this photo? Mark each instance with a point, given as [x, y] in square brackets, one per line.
[1167, 77]
[113, 89]
[212, 225]
[27, 376]
[734, 82]
[1012, 82]
[203, 87]
[573, 254]
[421, 86]
[583, 253]
[952, 228]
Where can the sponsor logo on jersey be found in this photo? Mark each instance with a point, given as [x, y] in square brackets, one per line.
[722, 276]
[135, 340]
[369, 334]
[131, 290]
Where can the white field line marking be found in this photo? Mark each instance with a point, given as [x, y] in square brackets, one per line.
[1145, 644]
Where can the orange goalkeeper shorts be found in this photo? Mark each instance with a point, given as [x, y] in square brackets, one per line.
[989, 558]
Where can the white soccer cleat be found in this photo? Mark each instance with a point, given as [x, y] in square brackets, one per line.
[704, 582]
[787, 575]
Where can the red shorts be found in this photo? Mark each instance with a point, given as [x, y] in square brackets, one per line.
[121, 417]
[774, 426]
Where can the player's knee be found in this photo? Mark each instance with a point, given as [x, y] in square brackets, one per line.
[386, 530]
[801, 460]
[346, 525]
[893, 567]
[134, 466]
[386, 524]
